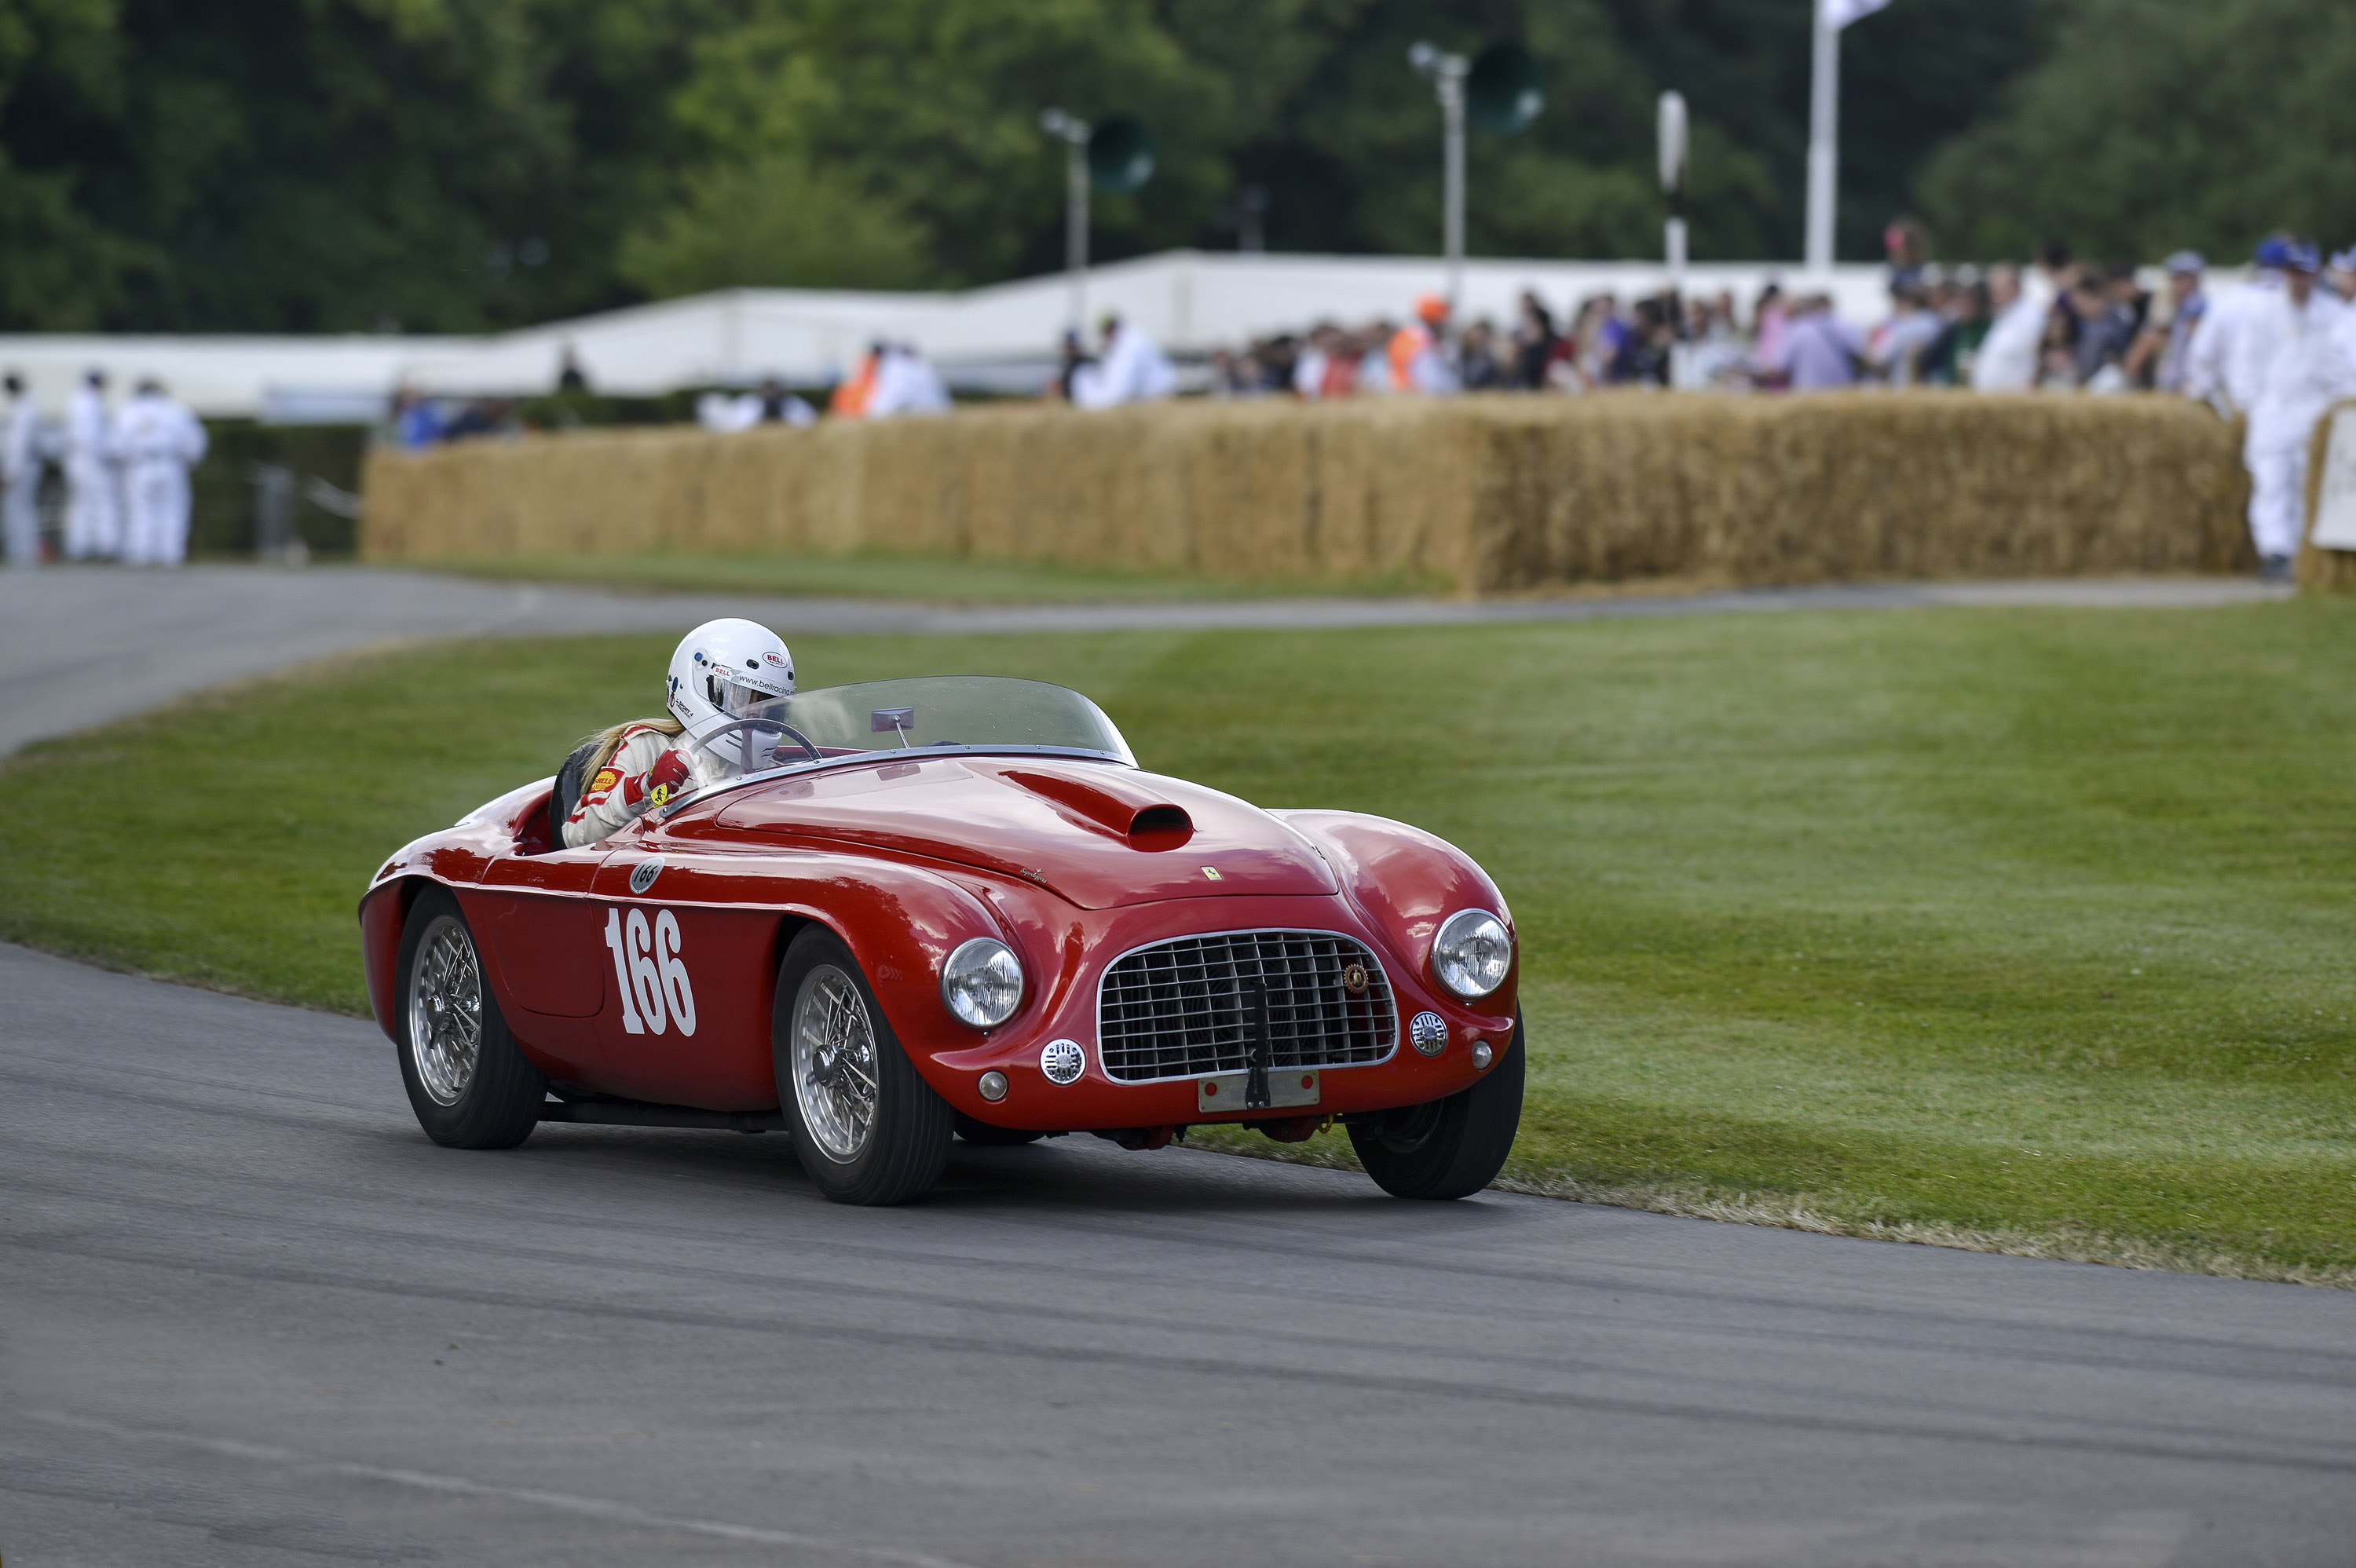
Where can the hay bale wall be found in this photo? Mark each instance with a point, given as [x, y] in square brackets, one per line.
[1493, 494]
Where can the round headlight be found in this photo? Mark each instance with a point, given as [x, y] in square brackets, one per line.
[1471, 954]
[982, 983]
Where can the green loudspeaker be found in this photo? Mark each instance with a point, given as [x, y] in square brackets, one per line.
[1503, 92]
[1121, 154]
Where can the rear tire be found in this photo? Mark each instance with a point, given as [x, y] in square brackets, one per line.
[467, 1080]
[1448, 1148]
[867, 1127]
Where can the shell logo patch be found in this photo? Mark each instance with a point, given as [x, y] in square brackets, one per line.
[606, 779]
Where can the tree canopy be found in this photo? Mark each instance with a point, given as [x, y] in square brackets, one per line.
[461, 165]
[2154, 124]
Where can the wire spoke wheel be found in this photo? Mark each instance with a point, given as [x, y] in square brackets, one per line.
[835, 1067]
[867, 1127]
[468, 1079]
[446, 1011]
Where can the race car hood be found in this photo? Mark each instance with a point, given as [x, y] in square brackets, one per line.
[1100, 836]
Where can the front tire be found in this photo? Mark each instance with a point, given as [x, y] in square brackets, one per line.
[867, 1127]
[1447, 1148]
[467, 1080]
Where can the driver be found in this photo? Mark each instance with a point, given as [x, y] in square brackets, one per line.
[721, 672]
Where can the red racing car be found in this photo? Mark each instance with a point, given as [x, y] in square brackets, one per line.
[909, 909]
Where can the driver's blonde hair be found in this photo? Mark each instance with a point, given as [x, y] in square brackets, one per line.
[609, 739]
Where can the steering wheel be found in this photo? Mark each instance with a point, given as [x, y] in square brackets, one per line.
[712, 742]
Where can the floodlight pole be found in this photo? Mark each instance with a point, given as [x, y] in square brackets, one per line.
[1824, 144]
[1672, 184]
[1074, 133]
[1447, 73]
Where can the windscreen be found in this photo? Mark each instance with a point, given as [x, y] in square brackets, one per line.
[973, 713]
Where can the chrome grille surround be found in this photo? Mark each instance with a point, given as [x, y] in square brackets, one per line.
[1178, 1009]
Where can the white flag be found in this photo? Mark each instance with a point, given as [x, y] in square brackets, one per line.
[1839, 14]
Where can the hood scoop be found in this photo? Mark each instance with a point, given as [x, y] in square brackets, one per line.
[1143, 816]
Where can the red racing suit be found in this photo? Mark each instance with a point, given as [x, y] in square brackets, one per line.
[633, 777]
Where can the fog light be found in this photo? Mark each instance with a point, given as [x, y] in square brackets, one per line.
[1482, 1056]
[1430, 1033]
[992, 1086]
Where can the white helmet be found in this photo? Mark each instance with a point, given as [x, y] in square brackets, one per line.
[723, 671]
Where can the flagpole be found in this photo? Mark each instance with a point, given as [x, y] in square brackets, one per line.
[1823, 142]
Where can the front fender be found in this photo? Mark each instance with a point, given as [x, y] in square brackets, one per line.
[1404, 882]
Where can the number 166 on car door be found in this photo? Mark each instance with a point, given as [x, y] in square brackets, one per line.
[648, 973]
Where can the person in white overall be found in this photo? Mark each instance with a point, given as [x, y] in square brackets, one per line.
[93, 500]
[20, 476]
[2300, 366]
[160, 441]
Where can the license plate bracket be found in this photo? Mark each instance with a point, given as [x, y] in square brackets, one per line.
[1286, 1087]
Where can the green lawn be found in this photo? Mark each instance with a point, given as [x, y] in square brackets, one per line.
[944, 580]
[2015, 928]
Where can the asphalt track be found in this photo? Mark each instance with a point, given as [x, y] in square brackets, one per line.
[253, 1317]
[250, 1316]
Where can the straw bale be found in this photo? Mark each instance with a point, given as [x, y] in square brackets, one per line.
[1493, 494]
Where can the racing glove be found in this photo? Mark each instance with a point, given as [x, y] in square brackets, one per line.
[663, 780]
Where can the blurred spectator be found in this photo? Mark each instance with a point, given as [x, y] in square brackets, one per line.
[1715, 353]
[1477, 357]
[1907, 244]
[2057, 350]
[1309, 367]
[1134, 371]
[2341, 275]
[769, 403]
[905, 383]
[1643, 356]
[724, 415]
[1070, 357]
[93, 494]
[1964, 315]
[416, 420]
[1771, 318]
[161, 440]
[484, 416]
[1897, 347]
[1535, 341]
[20, 476]
[1820, 352]
[2220, 372]
[2110, 315]
[2008, 356]
[2162, 353]
[1418, 355]
[569, 374]
[2294, 341]
[850, 399]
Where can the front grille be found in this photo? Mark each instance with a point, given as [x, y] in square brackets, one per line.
[1183, 1009]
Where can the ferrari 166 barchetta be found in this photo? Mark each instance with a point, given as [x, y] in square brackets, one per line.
[885, 915]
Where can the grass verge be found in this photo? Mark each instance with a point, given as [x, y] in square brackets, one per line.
[2020, 929]
[944, 579]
